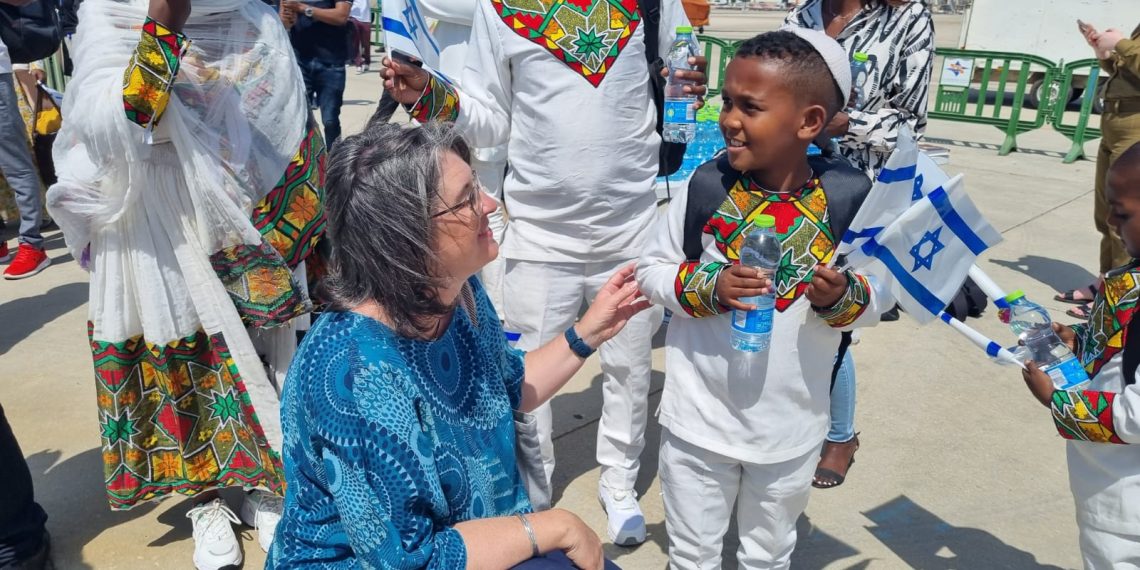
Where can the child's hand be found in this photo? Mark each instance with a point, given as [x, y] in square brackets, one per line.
[827, 286]
[1039, 383]
[1068, 335]
[736, 281]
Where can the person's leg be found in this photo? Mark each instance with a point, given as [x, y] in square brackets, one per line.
[843, 401]
[1120, 132]
[384, 109]
[627, 362]
[699, 488]
[22, 531]
[1105, 549]
[772, 498]
[364, 43]
[541, 300]
[18, 166]
[330, 96]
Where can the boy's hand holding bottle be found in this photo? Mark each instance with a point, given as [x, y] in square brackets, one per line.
[737, 282]
[1038, 382]
[827, 286]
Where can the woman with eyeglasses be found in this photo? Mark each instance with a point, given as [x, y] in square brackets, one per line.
[398, 410]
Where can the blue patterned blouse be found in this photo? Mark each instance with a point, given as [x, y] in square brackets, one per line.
[389, 442]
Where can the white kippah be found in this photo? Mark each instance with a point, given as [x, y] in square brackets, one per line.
[832, 54]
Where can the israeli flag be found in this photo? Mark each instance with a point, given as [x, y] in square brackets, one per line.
[927, 252]
[907, 176]
[406, 31]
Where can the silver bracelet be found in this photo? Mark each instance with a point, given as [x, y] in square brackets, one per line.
[530, 534]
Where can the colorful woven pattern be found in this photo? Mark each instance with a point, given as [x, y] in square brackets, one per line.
[851, 305]
[149, 76]
[586, 35]
[1104, 335]
[695, 287]
[1085, 416]
[176, 418]
[292, 216]
[802, 224]
[439, 102]
[260, 284]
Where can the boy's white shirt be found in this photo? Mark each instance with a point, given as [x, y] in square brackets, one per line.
[583, 158]
[754, 407]
[1105, 477]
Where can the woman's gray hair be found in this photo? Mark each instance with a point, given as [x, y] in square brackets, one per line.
[382, 187]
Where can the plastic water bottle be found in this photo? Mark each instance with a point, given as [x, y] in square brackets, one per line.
[680, 116]
[1032, 325]
[752, 330]
[859, 74]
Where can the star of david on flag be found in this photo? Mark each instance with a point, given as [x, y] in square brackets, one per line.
[907, 176]
[927, 252]
[406, 31]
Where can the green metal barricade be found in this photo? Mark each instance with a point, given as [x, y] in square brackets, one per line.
[717, 52]
[53, 68]
[986, 80]
[1081, 132]
[377, 29]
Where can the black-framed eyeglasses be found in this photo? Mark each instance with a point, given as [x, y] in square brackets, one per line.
[472, 201]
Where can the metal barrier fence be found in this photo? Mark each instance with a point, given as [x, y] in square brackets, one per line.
[718, 52]
[1026, 86]
[1081, 132]
[963, 98]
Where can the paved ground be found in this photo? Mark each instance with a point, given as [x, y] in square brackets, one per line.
[959, 468]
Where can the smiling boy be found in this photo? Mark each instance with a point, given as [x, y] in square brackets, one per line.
[741, 426]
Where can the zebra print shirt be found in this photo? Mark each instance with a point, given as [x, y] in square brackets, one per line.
[899, 42]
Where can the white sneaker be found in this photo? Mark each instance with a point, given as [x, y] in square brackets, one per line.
[215, 544]
[626, 526]
[262, 510]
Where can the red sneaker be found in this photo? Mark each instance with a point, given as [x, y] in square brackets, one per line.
[5, 254]
[29, 261]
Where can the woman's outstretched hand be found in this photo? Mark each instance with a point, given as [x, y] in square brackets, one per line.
[617, 302]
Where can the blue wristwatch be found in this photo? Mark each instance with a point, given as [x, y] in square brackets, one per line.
[578, 345]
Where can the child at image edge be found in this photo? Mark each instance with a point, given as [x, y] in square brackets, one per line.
[1105, 478]
[742, 426]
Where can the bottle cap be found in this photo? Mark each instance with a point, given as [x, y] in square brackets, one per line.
[764, 221]
[684, 29]
[860, 57]
[1018, 294]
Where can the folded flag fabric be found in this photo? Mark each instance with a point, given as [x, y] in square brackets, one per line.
[406, 31]
[926, 253]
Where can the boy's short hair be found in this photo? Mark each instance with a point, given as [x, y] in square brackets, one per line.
[807, 72]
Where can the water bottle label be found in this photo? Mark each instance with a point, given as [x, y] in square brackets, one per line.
[752, 322]
[680, 111]
[1067, 374]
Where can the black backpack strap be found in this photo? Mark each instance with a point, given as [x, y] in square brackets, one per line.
[651, 20]
[1131, 350]
[707, 190]
[846, 188]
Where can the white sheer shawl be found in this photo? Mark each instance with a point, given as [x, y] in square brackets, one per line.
[153, 211]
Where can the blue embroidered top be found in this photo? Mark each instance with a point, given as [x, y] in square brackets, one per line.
[389, 442]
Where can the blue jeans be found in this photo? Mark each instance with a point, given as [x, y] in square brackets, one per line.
[325, 82]
[843, 402]
[18, 166]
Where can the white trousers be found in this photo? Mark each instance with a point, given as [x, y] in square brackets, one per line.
[700, 488]
[541, 301]
[1106, 550]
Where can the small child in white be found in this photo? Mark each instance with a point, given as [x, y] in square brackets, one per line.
[1105, 479]
[748, 427]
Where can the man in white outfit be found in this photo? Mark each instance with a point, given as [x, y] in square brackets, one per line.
[566, 87]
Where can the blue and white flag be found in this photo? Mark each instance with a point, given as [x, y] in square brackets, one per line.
[907, 176]
[927, 252]
[406, 31]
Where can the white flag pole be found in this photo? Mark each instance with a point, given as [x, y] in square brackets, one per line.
[987, 285]
[981, 341]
